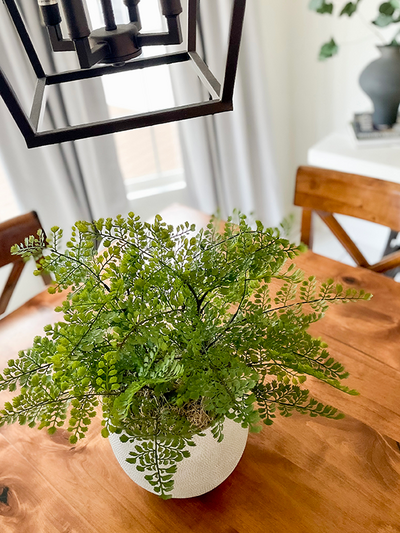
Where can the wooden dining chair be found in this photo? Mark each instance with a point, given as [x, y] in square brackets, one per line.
[328, 192]
[14, 231]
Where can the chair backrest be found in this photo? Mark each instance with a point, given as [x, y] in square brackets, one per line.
[326, 192]
[14, 231]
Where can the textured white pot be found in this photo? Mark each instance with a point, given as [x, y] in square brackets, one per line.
[209, 464]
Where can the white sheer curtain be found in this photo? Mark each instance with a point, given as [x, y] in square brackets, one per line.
[66, 182]
[229, 159]
[38, 177]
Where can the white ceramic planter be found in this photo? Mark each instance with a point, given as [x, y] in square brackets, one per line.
[209, 464]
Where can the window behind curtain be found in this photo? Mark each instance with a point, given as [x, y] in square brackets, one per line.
[150, 158]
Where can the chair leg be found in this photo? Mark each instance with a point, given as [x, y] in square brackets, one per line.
[46, 277]
[10, 285]
[306, 228]
[388, 250]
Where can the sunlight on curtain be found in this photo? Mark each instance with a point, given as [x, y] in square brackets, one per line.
[152, 155]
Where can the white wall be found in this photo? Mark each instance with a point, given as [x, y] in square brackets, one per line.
[310, 98]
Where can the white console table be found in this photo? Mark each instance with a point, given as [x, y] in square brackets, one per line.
[339, 152]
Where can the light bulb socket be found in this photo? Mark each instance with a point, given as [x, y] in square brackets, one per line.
[76, 19]
[51, 14]
[171, 8]
[134, 15]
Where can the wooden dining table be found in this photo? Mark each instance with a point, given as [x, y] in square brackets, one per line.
[300, 475]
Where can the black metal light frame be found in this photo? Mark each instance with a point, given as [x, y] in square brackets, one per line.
[221, 96]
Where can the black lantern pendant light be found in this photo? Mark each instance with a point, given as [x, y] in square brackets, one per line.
[112, 49]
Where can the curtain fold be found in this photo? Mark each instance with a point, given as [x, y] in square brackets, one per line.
[38, 177]
[229, 158]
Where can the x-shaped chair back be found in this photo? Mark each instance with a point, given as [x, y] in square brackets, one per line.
[326, 192]
[14, 231]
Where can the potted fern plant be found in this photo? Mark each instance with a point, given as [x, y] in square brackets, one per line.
[177, 336]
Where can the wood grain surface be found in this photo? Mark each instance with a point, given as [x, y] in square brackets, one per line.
[301, 475]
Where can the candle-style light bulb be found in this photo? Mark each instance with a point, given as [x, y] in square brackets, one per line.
[134, 15]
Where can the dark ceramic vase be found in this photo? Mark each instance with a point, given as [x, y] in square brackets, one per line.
[381, 81]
